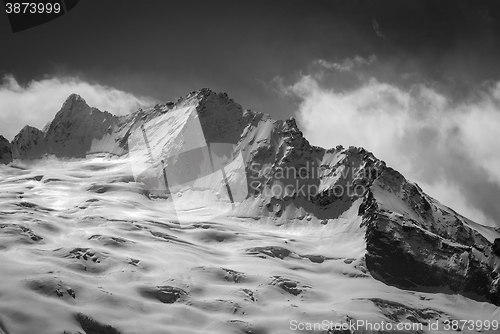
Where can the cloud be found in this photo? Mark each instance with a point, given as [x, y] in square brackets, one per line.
[349, 64]
[451, 149]
[37, 102]
[376, 27]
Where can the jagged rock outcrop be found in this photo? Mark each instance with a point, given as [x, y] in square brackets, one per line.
[29, 143]
[412, 241]
[5, 151]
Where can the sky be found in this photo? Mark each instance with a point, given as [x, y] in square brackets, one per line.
[415, 82]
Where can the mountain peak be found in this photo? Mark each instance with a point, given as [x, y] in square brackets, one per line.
[74, 97]
[205, 95]
[5, 151]
[74, 103]
[71, 133]
[28, 142]
[28, 128]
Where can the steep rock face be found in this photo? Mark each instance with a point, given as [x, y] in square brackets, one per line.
[75, 126]
[5, 151]
[414, 242]
[29, 143]
[290, 179]
[222, 119]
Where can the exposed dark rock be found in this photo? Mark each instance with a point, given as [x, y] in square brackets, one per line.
[315, 258]
[29, 143]
[410, 257]
[5, 151]
[288, 285]
[272, 251]
[496, 247]
[167, 237]
[398, 312]
[249, 293]
[91, 326]
[233, 275]
[165, 294]
[28, 236]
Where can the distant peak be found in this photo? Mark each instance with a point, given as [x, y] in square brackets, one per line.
[3, 140]
[75, 97]
[29, 128]
[292, 122]
[204, 97]
[205, 91]
[72, 100]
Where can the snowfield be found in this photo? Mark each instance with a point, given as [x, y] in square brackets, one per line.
[84, 250]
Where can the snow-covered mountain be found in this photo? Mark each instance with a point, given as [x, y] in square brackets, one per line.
[324, 217]
[28, 143]
[70, 134]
